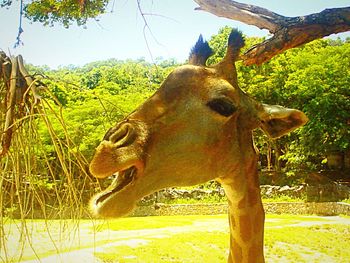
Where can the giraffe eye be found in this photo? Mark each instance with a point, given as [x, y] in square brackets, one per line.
[222, 106]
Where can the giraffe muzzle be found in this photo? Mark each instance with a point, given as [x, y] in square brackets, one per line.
[121, 148]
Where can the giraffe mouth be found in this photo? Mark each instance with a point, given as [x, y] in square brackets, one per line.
[121, 181]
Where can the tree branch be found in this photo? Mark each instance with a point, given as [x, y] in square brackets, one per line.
[29, 80]
[16, 82]
[289, 32]
[248, 14]
[6, 136]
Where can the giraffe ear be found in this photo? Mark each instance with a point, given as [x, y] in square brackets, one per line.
[277, 121]
[200, 52]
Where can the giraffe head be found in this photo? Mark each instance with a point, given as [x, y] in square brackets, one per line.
[195, 128]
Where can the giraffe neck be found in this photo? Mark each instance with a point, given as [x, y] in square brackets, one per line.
[246, 214]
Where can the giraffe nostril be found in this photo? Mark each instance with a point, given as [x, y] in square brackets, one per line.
[109, 133]
[122, 136]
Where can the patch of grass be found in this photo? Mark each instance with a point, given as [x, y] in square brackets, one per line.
[288, 244]
[151, 222]
[283, 198]
[190, 247]
[148, 222]
[216, 199]
[295, 217]
[285, 220]
[346, 201]
[294, 242]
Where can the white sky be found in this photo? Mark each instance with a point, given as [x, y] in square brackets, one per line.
[119, 34]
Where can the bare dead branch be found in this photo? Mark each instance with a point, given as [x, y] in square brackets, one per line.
[29, 80]
[15, 86]
[9, 117]
[5, 67]
[289, 32]
[248, 14]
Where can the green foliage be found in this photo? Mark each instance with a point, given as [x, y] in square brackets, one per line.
[93, 98]
[319, 85]
[346, 201]
[283, 198]
[65, 12]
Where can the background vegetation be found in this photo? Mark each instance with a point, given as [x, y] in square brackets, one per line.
[54, 143]
[314, 78]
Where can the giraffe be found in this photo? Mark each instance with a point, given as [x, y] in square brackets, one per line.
[195, 128]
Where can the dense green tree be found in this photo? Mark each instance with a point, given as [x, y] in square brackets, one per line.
[96, 96]
[65, 12]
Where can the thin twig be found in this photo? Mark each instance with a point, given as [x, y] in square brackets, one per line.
[162, 16]
[145, 26]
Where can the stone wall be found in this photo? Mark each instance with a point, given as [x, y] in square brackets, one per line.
[181, 209]
[331, 192]
[322, 209]
[207, 198]
[159, 209]
[309, 208]
[275, 191]
[172, 194]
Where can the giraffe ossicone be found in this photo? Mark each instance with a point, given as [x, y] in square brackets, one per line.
[195, 128]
